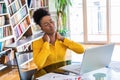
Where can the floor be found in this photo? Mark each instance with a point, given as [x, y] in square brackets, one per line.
[14, 75]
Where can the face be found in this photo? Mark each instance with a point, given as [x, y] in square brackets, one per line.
[47, 25]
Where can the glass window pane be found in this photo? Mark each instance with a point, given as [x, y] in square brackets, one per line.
[115, 20]
[76, 21]
[96, 20]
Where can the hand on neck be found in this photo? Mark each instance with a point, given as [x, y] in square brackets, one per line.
[52, 38]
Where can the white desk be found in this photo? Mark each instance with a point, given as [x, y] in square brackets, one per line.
[110, 75]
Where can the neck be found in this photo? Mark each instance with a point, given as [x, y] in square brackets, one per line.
[52, 38]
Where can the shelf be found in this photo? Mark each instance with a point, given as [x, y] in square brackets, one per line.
[27, 61]
[3, 14]
[25, 41]
[5, 25]
[3, 52]
[6, 38]
[2, 2]
[2, 67]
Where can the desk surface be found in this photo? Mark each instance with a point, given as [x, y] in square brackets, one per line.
[110, 73]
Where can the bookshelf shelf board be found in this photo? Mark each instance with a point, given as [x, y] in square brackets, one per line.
[2, 2]
[3, 52]
[5, 25]
[2, 14]
[26, 62]
[6, 38]
[11, 3]
[25, 41]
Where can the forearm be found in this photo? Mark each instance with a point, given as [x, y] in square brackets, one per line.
[41, 55]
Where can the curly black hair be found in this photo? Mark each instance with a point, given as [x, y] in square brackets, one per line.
[39, 14]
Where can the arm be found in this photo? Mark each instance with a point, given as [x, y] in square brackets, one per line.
[40, 53]
[78, 48]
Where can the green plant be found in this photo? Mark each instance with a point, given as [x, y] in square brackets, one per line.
[63, 31]
[61, 6]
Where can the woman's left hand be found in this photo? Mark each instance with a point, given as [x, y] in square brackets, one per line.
[59, 37]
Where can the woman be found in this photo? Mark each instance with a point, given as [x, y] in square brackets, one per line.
[51, 48]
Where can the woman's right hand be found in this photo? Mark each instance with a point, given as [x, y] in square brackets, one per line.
[46, 38]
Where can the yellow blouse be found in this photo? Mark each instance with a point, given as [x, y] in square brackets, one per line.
[45, 54]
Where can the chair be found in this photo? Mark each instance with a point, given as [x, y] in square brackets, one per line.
[23, 60]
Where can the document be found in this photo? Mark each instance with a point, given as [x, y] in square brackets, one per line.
[55, 76]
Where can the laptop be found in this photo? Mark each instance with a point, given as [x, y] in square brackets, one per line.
[93, 59]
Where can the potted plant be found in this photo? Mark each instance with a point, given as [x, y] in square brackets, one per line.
[61, 10]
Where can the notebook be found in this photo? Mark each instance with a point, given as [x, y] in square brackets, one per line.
[93, 59]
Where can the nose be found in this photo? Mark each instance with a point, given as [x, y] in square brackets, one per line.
[51, 24]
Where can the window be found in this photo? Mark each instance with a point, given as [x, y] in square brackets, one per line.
[76, 21]
[95, 21]
[115, 21]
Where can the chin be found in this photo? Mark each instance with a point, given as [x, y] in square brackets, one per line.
[51, 33]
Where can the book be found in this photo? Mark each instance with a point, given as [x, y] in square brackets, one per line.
[10, 11]
[1, 33]
[1, 46]
[16, 33]
[4, 8]
[29, 3]
[13, 6]
[2, 20]
[17, 5]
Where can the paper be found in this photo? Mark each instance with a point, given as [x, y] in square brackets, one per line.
[54, 76]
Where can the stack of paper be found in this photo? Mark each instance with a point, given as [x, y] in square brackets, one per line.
[54, 76]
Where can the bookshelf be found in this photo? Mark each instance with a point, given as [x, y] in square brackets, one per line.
[5, 26]
[33, 5]
[15, 26]
[6, 34]
[19, 18]
[20, 21]
[16, 19]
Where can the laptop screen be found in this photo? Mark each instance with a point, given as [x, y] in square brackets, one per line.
[97, 57]
[93, 59]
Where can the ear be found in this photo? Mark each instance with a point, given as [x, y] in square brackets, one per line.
[41, 27]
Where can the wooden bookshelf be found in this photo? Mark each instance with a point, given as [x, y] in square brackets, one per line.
[5, 27]
[19, 18]
[18, 28]
[6, 33]
[15, 25]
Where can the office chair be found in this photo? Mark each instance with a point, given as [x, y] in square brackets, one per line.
[23, 59]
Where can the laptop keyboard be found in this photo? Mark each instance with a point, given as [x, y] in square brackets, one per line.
[78, 69]
[115, 65]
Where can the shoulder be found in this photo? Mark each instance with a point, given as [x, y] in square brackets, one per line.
[40, 40]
